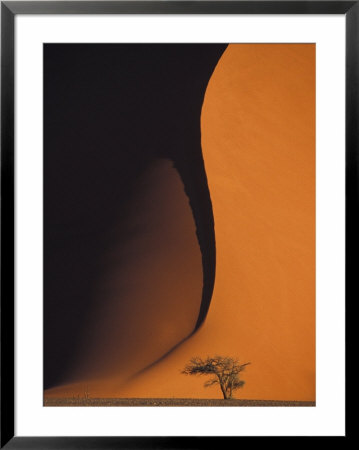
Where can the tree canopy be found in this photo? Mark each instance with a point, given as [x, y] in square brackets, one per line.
[224, 370]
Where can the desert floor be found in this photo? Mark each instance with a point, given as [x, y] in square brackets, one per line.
[168, 402]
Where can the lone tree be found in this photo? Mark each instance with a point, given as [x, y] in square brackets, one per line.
[225, 371]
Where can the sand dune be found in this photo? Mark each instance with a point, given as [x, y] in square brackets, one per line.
[258, 142]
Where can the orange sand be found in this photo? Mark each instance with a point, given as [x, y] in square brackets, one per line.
[258, 141]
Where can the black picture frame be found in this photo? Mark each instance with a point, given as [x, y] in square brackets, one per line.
[9, 9]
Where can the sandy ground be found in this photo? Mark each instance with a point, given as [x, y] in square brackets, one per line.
[168, 402]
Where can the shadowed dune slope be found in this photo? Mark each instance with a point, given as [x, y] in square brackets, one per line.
[149, 296]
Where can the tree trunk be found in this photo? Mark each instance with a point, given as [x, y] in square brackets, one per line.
[223, 389]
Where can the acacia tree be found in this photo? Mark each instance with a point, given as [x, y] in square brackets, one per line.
[225, 371]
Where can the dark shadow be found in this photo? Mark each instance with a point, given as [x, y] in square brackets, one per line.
[110, 110]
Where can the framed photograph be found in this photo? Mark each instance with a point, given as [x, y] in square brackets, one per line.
[178, 222]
